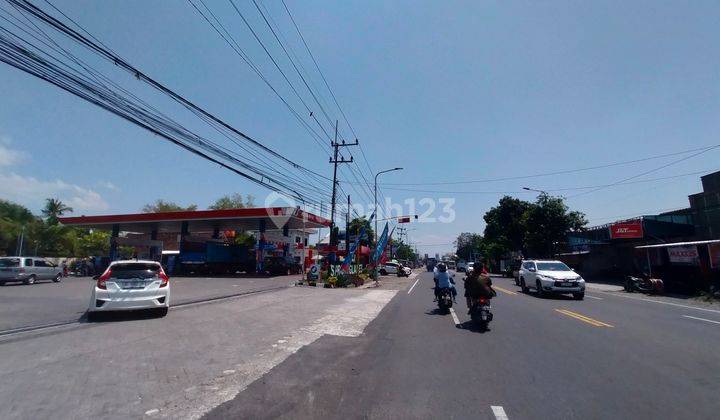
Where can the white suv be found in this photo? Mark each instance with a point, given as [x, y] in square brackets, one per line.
[389, 268]
[547, 276]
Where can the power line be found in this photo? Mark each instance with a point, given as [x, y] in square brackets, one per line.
[646, 172]
[566, 171]
[101, 95]
[586, 187]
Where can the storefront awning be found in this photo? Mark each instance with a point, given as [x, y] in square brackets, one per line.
[711, 241]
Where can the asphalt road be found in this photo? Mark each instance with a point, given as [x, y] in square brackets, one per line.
[180, 366]
[48, 303]
[610, 356]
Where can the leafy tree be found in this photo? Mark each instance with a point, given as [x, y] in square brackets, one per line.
[505, 224]
[15, 212]
[548, 221]
[90, 243]
[13, 218]
[244, 238]
[405, 252]
[233, 201]
[356, 225]
[53, 209]
[161, 206]
[468, 245]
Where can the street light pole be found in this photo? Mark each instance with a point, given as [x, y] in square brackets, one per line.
[376, 206]
[533, 189]
[375, 272]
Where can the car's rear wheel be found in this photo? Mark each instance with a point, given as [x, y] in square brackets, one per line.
[57, 278]
[161, 312]
[30, 280]
[579, 296]
[383, 272]
[540, 291]
[523, 286]
[2, 283]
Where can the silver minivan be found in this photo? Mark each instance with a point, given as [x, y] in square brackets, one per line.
[28, 270]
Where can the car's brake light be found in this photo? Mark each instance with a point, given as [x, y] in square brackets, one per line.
[102, 279]
[482, 301]
[165, 279]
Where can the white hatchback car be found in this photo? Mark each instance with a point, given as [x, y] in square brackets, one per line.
[547, 277]
[131, 285]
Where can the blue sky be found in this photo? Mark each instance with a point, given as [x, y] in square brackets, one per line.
[451, 91]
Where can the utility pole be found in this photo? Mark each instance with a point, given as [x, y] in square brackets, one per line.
[334, 160]
[347, 228]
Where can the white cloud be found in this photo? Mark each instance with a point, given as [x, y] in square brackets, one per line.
[9, 157]
[108, 185]
[32, 193]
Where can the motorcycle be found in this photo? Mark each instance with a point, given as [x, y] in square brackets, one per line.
[404, 271]
[480, 312]
[644, 284]
[445, 300]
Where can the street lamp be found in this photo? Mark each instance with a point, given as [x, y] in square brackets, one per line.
[376, 206]
[533, 189]
[375, 271]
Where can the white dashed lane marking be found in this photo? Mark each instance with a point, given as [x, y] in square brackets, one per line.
[413, 286]
[702, 319]
[593, 297]
[454, 316]
[499, 412]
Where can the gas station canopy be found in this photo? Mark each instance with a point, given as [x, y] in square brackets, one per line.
[245, 219]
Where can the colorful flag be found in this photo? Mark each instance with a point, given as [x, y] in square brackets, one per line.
[353, 247]
[382, 242]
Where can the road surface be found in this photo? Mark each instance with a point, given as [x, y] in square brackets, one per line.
[606, 357]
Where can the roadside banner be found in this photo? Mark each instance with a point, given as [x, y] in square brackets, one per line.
[683, 254]
[382, 242]
[353, 246]
[714, 251]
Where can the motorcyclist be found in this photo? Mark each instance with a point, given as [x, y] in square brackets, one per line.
[478, 284]
[443, 279]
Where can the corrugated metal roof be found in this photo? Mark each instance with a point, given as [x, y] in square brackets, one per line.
[711, 241]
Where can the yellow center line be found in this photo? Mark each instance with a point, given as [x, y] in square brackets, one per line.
[509, 292]
[583, 318]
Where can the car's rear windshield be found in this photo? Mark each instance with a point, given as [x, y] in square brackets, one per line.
[552, 266]
[9, 262]
[135, 270]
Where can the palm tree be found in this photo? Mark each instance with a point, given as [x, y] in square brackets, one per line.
[54, 208]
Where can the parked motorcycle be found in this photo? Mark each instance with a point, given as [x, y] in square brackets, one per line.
[644, 284]
[480, 312]
[445, 300]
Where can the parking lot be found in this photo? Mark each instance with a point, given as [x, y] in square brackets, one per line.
[45, 303]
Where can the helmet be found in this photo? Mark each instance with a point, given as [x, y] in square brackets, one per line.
[442, 267]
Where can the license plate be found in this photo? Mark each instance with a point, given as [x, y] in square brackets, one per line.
[133, 284]
[566, 284]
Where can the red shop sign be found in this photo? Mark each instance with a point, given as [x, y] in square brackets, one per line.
[626, 230]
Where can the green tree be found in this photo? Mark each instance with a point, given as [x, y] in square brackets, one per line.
[244, 238]
[548, 221]
[161, 206]
[468, 245]
[233, 201]
[505, 224]
[53, 209]
[90, 243]
[13, 218]
[357, 224]
[405, 252]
